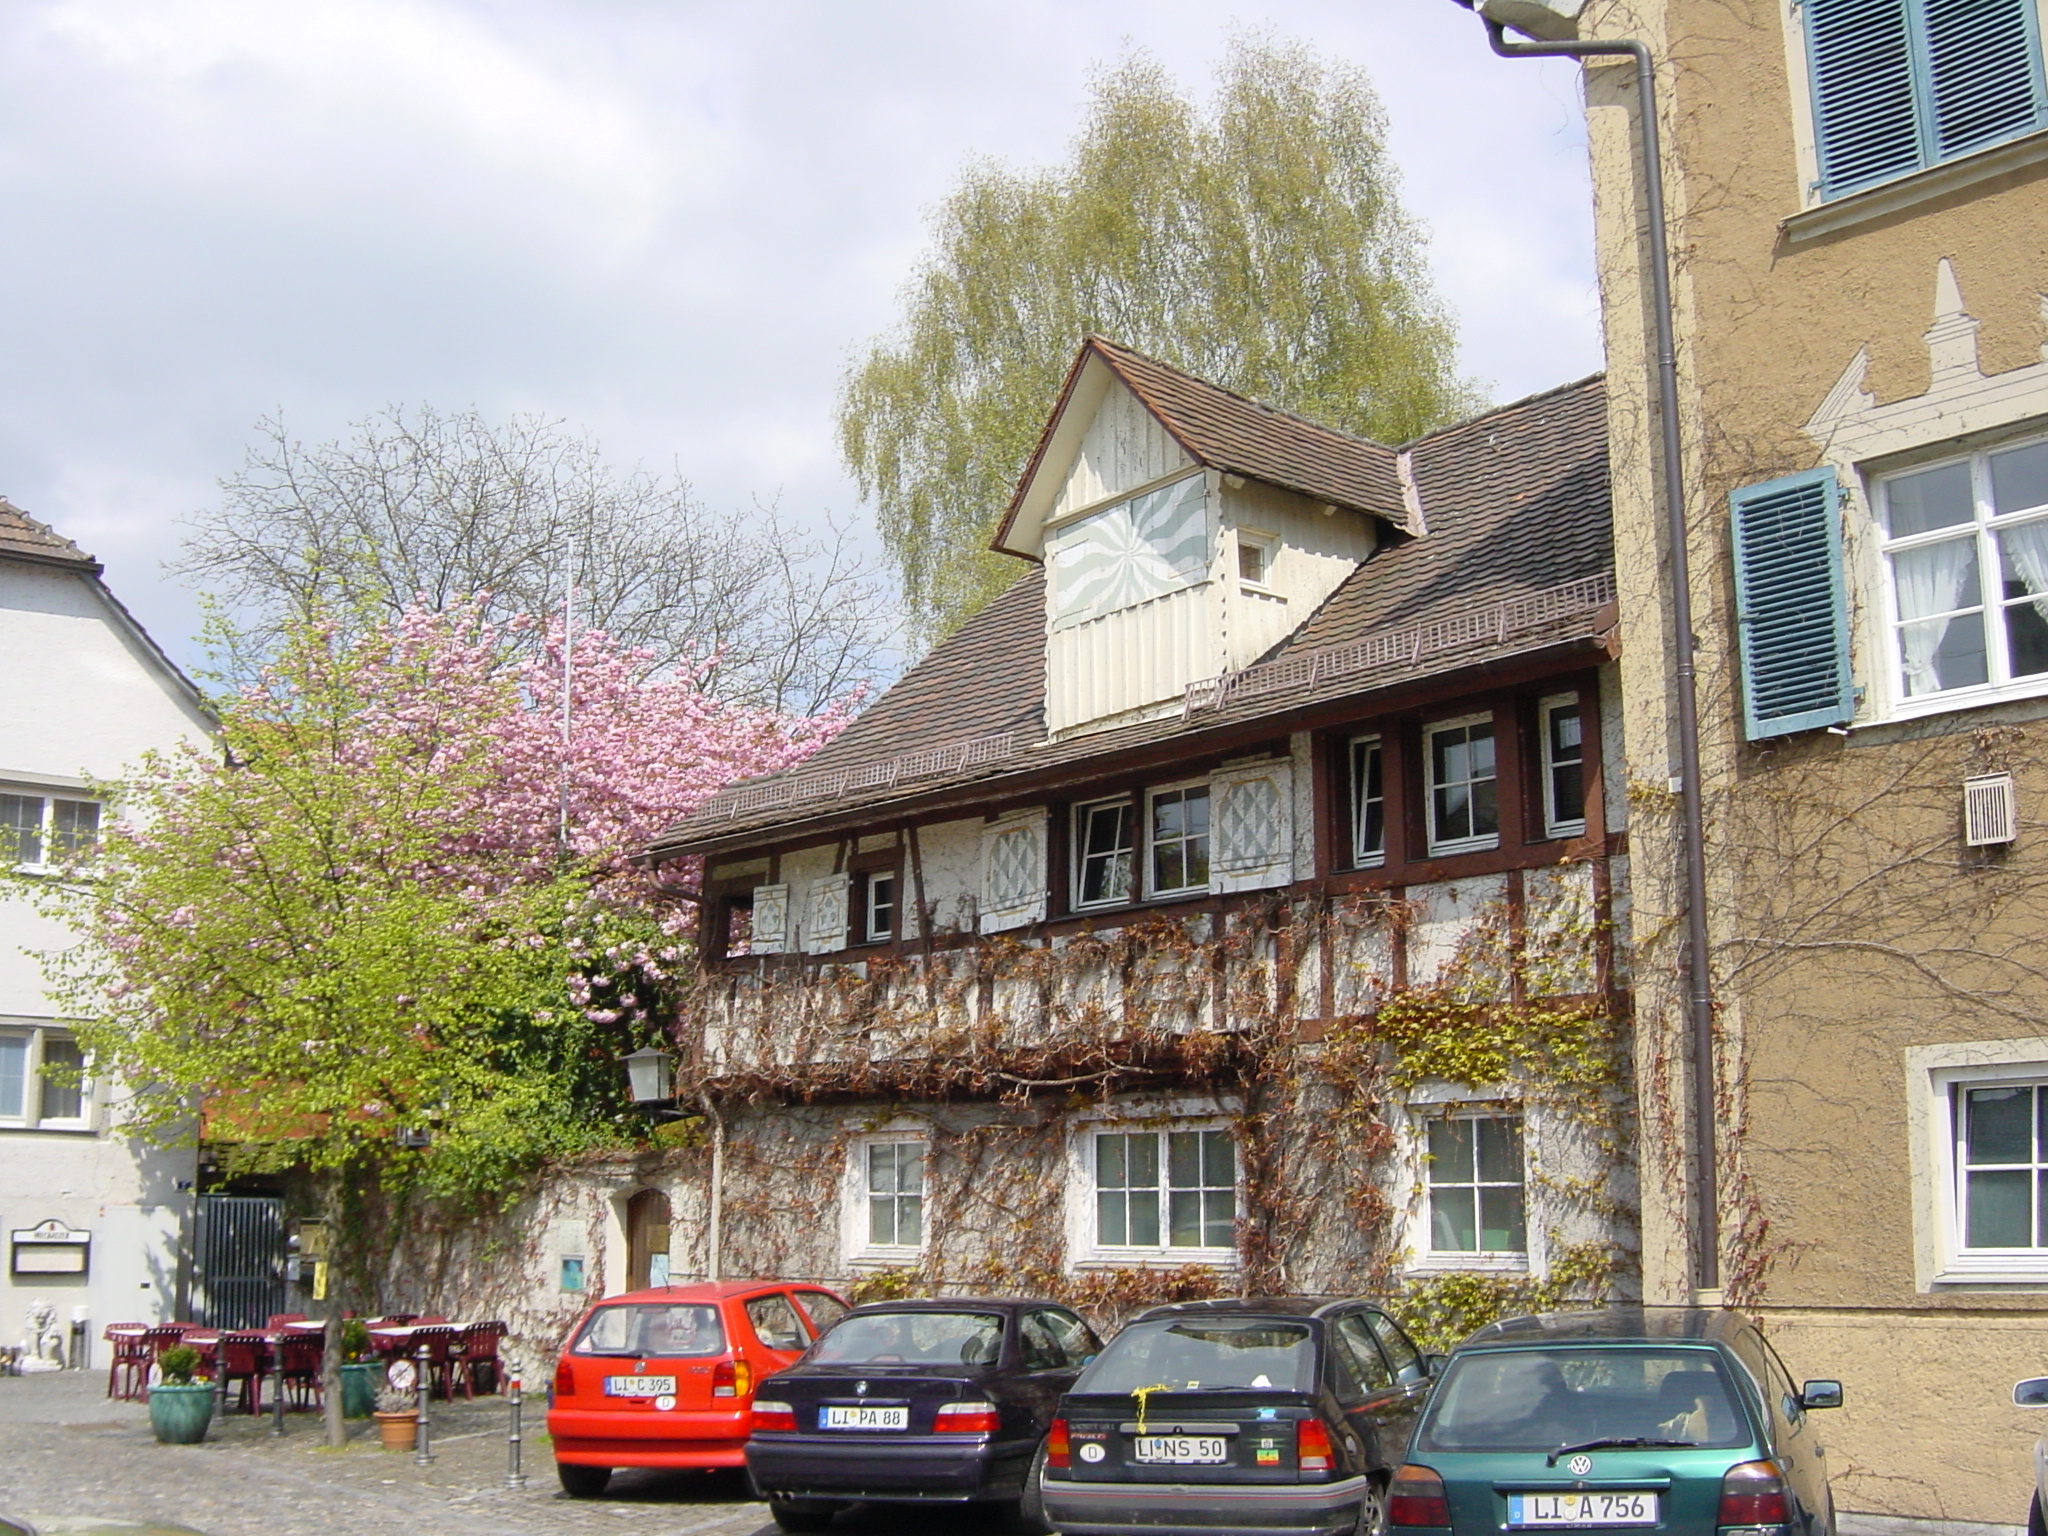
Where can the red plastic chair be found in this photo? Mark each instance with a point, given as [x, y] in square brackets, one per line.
[439, 1341]
[128, 1376]
[476, 1357]
[245, 1357]
[301, 1356]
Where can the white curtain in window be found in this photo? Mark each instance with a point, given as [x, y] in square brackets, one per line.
[2026, 547]
[1930, 581]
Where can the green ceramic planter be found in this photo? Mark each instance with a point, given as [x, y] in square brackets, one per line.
[179, 1415]
[358, 1389]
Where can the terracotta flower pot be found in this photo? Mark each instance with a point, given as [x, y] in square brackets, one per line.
[398, 1431]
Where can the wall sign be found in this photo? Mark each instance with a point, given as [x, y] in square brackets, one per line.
[50, 1248]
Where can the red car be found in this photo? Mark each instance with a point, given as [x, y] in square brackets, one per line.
[666, 1377]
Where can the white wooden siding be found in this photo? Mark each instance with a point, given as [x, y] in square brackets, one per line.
[1131, 658]
[1124, 447]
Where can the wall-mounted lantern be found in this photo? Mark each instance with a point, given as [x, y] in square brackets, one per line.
[651, 1076]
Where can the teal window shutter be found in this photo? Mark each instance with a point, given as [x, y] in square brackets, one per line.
[1791, 611]
[1902, 84]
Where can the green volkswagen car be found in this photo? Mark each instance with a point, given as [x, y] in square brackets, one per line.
[1680, 1420]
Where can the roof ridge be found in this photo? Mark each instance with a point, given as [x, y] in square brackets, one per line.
[1598, 376]
[1220, 389]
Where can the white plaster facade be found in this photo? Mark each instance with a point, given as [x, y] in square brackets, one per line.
[84, 694]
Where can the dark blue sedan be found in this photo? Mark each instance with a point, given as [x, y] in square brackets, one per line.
[917, 1402]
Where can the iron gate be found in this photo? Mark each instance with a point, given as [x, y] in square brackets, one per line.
[240, 1260]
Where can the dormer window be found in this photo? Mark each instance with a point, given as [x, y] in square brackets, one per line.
[1254, 559]
[1130, 553]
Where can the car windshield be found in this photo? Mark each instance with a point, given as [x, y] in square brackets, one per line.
[1206, 1355]
[1540, 1399]
[651, 1328]
[913, 1338]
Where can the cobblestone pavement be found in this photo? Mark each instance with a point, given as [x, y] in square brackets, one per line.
[71, 1459]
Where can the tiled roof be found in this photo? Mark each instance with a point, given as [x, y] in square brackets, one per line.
[21, 535]
[1517, 557]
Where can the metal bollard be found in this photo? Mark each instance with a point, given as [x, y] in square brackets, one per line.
[277, 1386]
[422, 1364]
[514, 1478]
[220, 1383]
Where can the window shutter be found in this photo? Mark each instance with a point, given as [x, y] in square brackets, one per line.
[1861, 58]
[825, 915]
[1254, 828]
[1013, 873]
[771, 920]
[1984, 72]
[1791, 612]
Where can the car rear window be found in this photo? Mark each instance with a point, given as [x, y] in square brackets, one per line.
[1540, 1399]
[913, 1338]
[1212, 1354]
[666, 1329]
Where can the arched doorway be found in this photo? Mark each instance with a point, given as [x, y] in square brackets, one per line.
[647, 1223]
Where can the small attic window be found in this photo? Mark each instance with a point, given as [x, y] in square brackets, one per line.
[1254, 559]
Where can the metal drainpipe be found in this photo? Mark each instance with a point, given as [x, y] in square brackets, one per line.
[1699, 974]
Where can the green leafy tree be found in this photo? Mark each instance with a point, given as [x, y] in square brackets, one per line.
[1260, 244]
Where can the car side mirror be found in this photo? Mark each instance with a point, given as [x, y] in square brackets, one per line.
[1087, 1359]
[1820, 1394]
[2031, 1393]
[1433, 1365]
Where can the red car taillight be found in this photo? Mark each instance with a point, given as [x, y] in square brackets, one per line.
[773, 1416]
[1059, 1452]
[732, 1378]
[1753, 1494]
[1416, 1497]
[1312, 1451]
[565, 1380]
[966, 1419]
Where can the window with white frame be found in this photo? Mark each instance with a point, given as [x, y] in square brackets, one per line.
[43, 1082]
[1464, 799]
[40, 830]
[2001, 1168]
[877, 897]
[1164, 1189]
[1965, 546]
[1103, 847]
[1561, 726]
[1255, 558]
[1178, 840]
[1476, 1183]
[893, 1174]
[1368, 802]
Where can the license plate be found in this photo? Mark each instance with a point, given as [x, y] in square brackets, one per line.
[639, 1386]
[1181, 1450]
[1542, 1509]
[864, 1418]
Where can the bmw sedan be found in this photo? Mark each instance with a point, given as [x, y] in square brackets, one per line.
[916, 1402]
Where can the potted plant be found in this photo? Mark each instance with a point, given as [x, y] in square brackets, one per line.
[398, 1421]
[180, 1408]
[358, 1386]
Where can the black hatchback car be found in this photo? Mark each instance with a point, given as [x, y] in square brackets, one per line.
[921, 1402]
[1260, 1416]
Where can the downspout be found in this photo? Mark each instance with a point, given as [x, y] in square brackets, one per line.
[715, 1216]
[1699, 975]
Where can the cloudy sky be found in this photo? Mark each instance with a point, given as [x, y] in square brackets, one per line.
[668, 221]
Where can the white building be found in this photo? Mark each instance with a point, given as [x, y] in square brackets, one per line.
[92, 1221]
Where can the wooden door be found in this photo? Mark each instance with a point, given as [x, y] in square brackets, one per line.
[647, 1223]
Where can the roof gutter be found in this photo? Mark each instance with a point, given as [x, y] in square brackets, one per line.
[1560, 41]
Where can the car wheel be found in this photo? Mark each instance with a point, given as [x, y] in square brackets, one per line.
[1372, 1511]
[801, 1514]
[1026, 1517]
[582, 1482]
[2037, 1523]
